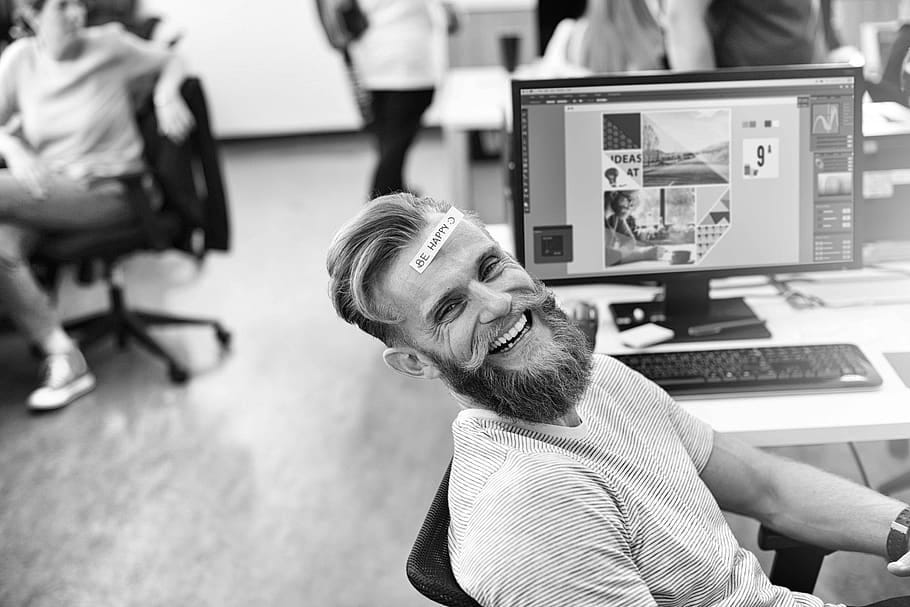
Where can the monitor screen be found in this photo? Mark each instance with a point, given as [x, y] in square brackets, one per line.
[681, 177]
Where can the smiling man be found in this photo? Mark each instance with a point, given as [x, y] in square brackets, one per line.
[576, 481]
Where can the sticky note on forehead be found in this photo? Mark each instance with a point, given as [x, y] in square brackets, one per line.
[438, 237]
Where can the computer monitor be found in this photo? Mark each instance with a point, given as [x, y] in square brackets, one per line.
[678, 178]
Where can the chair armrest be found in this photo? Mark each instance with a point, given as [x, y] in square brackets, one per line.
[796, 564]
[769, 539]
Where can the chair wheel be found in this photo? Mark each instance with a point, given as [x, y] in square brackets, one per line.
[178, 375]
[223, 336]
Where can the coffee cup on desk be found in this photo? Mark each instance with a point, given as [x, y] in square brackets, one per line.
[678, 257]
[509, 49]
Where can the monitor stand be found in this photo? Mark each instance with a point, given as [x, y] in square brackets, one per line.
[686, 304]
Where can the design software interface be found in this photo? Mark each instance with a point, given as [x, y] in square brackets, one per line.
[686, 176]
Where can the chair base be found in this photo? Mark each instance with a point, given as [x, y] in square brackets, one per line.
[132, 325]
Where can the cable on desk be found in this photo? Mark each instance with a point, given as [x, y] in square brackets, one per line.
[802, 301]
[796, 299]
[859, 464]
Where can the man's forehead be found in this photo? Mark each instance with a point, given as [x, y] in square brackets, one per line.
[460, 252]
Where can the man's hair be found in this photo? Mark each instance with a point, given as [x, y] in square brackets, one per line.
[364, 248]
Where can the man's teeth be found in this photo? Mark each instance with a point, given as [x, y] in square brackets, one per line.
[504, 342]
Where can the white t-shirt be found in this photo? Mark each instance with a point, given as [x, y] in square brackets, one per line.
[610, 512]
[401, 47]
[78, 114]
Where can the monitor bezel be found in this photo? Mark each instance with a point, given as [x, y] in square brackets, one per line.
[666, 77]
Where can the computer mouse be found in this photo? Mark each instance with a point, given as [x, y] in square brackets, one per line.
[583, 315]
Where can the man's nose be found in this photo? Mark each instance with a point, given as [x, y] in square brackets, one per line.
[494, 303]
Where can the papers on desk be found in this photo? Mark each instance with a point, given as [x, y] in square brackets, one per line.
[868, 287]
[885, 118]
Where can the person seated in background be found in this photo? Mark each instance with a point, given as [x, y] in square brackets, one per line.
[69, 136]
[623, 244]
[574, 480]
[614, 36]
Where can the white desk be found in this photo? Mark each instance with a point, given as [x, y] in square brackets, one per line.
[470, 99]
[800, 419]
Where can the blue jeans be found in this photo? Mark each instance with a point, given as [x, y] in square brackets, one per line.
[69, 207]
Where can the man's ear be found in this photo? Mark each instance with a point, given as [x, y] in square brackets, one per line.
[410, 362]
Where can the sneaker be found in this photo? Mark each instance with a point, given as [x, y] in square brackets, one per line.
[66, 378]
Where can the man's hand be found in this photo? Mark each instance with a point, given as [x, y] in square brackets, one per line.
[175, 120]
[900, 567]
[28, 171]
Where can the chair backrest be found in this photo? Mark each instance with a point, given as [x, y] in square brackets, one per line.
[429, 568]
[189, 174]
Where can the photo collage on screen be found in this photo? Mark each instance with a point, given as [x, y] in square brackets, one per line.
[660, 169]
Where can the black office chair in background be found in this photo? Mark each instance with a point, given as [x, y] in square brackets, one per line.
[193, 218]
[429, 569]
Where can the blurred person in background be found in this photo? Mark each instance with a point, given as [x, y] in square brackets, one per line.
[610, 36]
[703, 34]
[394, 49]
[68, 138]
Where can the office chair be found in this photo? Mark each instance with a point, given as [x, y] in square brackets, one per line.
[429, 569]
[192, 218]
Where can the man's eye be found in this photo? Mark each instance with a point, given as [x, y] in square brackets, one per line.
[448, 310]
[489, 269]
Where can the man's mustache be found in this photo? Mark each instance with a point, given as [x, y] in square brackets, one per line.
[522, 301]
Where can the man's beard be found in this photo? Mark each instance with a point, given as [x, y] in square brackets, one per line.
[548, 388]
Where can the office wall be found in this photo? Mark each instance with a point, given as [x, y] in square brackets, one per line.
[849, 14]
[265, 64]
[269, 70]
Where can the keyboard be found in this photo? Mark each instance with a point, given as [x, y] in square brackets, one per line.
[817, 367]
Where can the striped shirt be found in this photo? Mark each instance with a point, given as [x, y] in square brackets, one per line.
[610, 512]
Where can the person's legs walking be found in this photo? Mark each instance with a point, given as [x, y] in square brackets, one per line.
[387, 174]
[24, 221]
[397, 116]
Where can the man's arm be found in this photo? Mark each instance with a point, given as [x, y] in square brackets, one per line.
[798, 500]
[686, 35]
